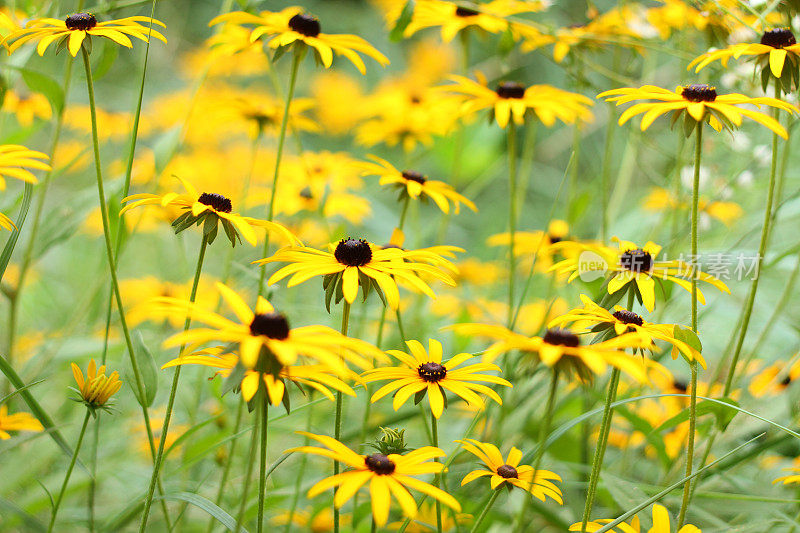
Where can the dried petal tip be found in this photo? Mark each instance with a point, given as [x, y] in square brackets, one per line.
[81, 21]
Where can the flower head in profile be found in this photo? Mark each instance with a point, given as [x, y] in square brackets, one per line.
[353, 262]
[415, 185]
[633, 266]
[508, 472]
[97, 388]
[208, 210]
[777, 55]
[71, 32]
[16, 162]
[266, 340]
[563, 349]
[292, 26]
[316, 377]
[701, 103]
[387, 475]
[600, 319]
[661, 524]
[774, 378]
[513, 100]
[423, 373]
[17, 422]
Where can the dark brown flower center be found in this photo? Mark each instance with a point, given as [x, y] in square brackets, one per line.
[217, 202]
[352, 252]
[432, 372]
[699, 93]
[561, 337]
[272, 325]
[307, 25]
[786, 381]
[628, 317]
[306, 193]
[510, 89]
[679, 385]
[81, 21]
[414, 176]
[636, 260]
[507, 471]
[466, 12]
[379, 463]
[778, 38]
[554, 239]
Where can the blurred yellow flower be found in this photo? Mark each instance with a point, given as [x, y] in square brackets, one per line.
[17, 422]
[27, 108]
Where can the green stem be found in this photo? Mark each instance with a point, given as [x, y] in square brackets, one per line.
[512, 216]
[172, 393]
[485, 510]
[248, 476]
[227, 469]
[698, 150]
[404, 212]
[400, 325]
[762, 249]
[435, 443]
[337, 427]
[544, 431]
[57, 503]
[278, 157]
[262, 479]
[599, 452]
[300, 475]
[606, 171]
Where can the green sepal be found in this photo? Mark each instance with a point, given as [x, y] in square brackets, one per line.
[230, 232]
[402, 22]
[766, 75]
[420, 395]
[279, 52]
[62, 44]
[689, 125]
[444, 396]
[366, 285]
[379, 292]
[234, 380]
[286, 400]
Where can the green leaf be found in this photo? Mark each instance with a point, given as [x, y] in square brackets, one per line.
[402, 21]
[222, 516]
[9, 508]
[149, 370]
[688, 336]
[42, 83]
[720, 409]
[7, 397]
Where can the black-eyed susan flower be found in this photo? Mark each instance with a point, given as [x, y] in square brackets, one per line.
[631, 263]
[388, 476]
[354, 262]
[293, 26]
[513, 100]
[208, 209]
[423, 373]
[317, 377]
[562, 349]
[17, 422]
[97, 388]
[453, 18]
[623, 321]
[264, 328]
[701, 103]
[509, 472]
[415, 185]
[661, 524]
[71, 32]
[774, 378]
[15, 162]
[777, 54]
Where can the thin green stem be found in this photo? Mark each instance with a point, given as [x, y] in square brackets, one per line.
[227, 468]
[262, 479]
[404, 212]
[300, 474]
[485, 510]
[247, 477]
[436, 483]
[337, 427]
[172, 393]
[606, 171]
[60, 496]
[278, 157]
[512, 216]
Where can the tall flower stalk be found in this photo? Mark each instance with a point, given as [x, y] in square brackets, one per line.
[511, 132]
[337, 424]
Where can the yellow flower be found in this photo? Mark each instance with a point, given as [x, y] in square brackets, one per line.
[15, 160]
[534, 245]
[777, 53]
[426, 518]
[291, 26]
[97, 388]
[701, 103]
[17, 422]
[387, 475]
[319, 522]
[509, 471]
[562, 349]
[208, 209]
[26, 108]
[335, 93]
[415, 184]
[72, 31]
[351, 263]
[661, 199]
[774, 378]
[318, 377]
[138, 293]
[512, 99]
[423, 373]
[661, 524]
[624, 321]
[490, 16]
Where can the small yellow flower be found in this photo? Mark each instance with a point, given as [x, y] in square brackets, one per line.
[17, 422]
[661, 524]
[97, 388]
[509, 471]
[489, 17]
